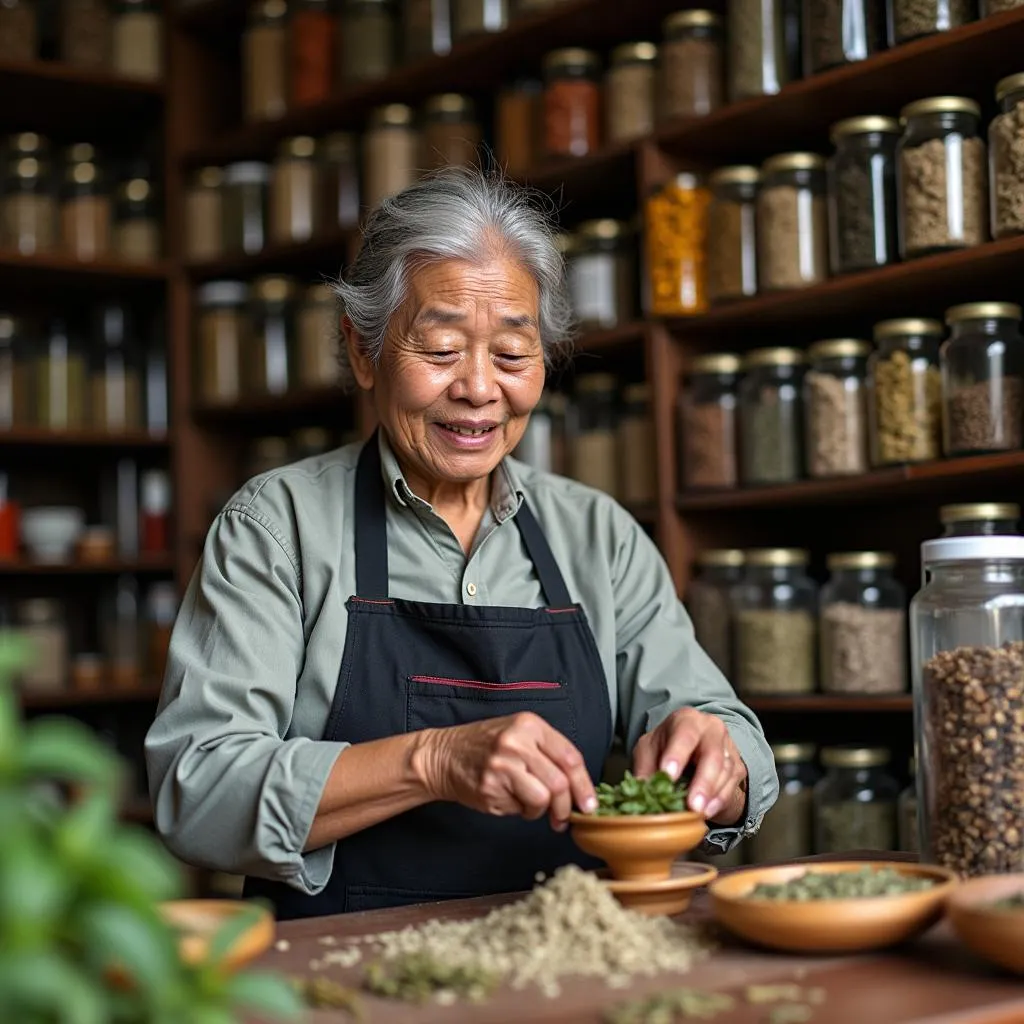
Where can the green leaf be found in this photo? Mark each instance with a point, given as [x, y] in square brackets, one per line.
[34, 893]
[232, 930]
[45, 986]
[85, 827]
[267, 993]
[60, 748]
[139, 943]
[133, 867]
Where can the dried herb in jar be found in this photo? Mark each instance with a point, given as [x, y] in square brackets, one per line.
[856, 825]
[861, 883]
[775, 650]
[862, 649]
[908, 409]
[973, 423]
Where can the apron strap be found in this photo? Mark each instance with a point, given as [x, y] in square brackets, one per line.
[550, 576]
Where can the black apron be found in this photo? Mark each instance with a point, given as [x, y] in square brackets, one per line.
[410, 665]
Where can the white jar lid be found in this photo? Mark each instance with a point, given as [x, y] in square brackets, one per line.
[973, 549]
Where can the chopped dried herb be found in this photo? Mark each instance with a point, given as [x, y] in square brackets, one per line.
[656, 795]
[666, 1007]
[321, 993]
[417, 977]
[861, 883]
[1014, 902]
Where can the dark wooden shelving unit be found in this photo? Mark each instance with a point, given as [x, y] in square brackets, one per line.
[55, 270]
[36, 438]
[74, 699]
[319, 257]
[301, 401]
[153, 564]
[833, 703]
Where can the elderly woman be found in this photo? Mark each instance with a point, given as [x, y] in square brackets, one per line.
[399, 666]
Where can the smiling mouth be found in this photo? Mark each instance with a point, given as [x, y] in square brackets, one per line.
[467, 431]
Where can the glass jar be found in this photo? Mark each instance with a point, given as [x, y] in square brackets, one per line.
[835, 398]
[838, 32]
[246, 186]
[29, 208]
[629, 91]
[221, 338]
[317, 329]
[911, 19]
[137, 235]
[706, 422]
[691, 76]
[771, 416]
[1006, 178]
[390, 153]
[763, 39]
[60, 381]
[862, 193]
[676, 221]
[601, 274]
[906, 813]
[19, 30]
[594, 446]
[312, 32]
[732, 234]
[983, 378]
[451, 132]
[709, 603]
[863, 625]
[271, 364]
[472, 17]
[161, 611]
[987, 8]
[204, 204]
[15, 376]
[426, 29]
[265, 61]
[787, 831]
[295, 191]
[84, 33]
[369, 40]
[122, 640]
[518, 119]
[115, 392]
[339, 177]
[967, 651]
[138, 40]
[774, 618]
[572, 102]
[980, 519]
[905, 392]
[855, 802]
[638, 457]
[85, 211]
[943, 175]
[42, 623]
[536, 447]
[792, 222]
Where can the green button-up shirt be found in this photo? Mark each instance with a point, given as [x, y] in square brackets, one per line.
[236, 761]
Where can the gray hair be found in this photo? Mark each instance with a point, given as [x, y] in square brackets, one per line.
[455, 213]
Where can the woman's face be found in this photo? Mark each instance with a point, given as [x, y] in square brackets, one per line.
[461, 370]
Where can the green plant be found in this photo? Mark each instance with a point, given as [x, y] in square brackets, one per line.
[81, 940]
[656, 795]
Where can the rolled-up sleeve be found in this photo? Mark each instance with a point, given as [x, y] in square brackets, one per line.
[661, 668]
[229, 790]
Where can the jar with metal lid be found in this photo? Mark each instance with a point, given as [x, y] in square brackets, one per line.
[222, 330]
[691, 77]
[19, 30]
[29, 208]
[676, 222]
[709, 602]
[943, 176]
[295, 191]
[138, 40]
[85, 211]
[707, 422]
[787, 831]
[339, 176]
[775, 610]
[59, 375]
[84, 33]
[763, 47]
[426, 29]
[1005, 137]
[835, 398]
[15, 374]
[317, 329]
[115, 389]
[792, 222]
[983, 378]
[855, 802]
[42, 623]
[905, 385]
[638, 461]
[906, 813]
[451, 132]
[312, 33]
[912, 19]
[471, 17]
[137, 235]
[204, 204]
[518, 120]
[838, 32]
[771, 416]
[967, 667]
[862, 193]
[593, 451]
[732, 234]
[265, 61]
[572, 102]
[271, 362]
[629, 92]
[390, 152]
[980, 519]
[863, 625]
[601, 274]
[369, 40]
[246, 187]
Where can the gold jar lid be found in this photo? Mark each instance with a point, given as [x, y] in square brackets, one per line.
[634, 53]
[82, 174]
[861, 560]
[983, 311]
[981, 511]
[137, 190]
[777, 557]
[793, 753]
[29, 167]
[690, 19]
[27, 144]
[838, 347]
[450, 104]
[602, 230]
[270, 9]
[339, 146]
[593, 382]
[793, 162]
[80, 153]
[863, 126]
[717, 362]
[739, 174]
[854, 757]
[1011, 83]
[724, 557]
[941, 105]
[300, 147]
[209, 177]
[317, 293]
[391, 115]
[572, 58]
[908, 326]
[774, 357]
[273, 288]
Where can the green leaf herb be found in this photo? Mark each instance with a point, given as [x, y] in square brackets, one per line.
[858, 883]
[656, 795]
[417, 977]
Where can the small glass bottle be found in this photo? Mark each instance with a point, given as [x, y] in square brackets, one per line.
[19, 30]
[771, 416]
[222, 330]
[707, 422]
[204, 206]
[137, 235]
[369, 40]
[572, 103]
[691, 76]
[835, 399]
[85, 212]
[339, 175]
[910, 19]
[601, 274]
[451, 132]
[855, 803]
[295, 191]
[29, 208]
[838, 32]
[638, 462]
[943, 176]
[115, 404]
[983, 379]
[676, 220]
[138, 40]
[594, 446]
[709, 603]
[59, 376]
[42, 623]
[123, 640]
[271, 363]
[15, 375]
[787, 832]
[155, 513]
[980, 519]
[316, 324]
[390, 153]
[84, 33]
[312, 31]
[1006, 181]
[246, 187]
[629, 92]
[472, 17]
[906, 809]
[426, 29]
[732, 234]
[161, 611]
[265, 61]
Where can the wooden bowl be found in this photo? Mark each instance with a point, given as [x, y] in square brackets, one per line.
[996, 935]
[829, 926]
[196, 922]
[638, 847]
[667, 896]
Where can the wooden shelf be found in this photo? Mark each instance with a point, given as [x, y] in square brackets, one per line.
[317, 257]
[144, 565]
[622, 338]
[46, 271]
[75, 699]
[300, 402]
[825, 702]
[602, 184]
[32, 437]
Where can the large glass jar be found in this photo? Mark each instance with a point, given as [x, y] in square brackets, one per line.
[775, 617]
[115, 392]
[862, 193]
[204, 203]
[787, 831]
[855, 803]
[138, 40]
[137, 234]
[989, 7]
[245, 207]
[943, 176]
[983, 378]
[1005, 140]
[221, 333]
[863, 625]
[311, 52]
[911, 19]
[763, 47]
[629, 92]
[317, 328]
[980, 519]
[691, 78]
[638, 454]
[792, 222]
[84, 33]
[29, 207]
[339, 177]
[471, 17]
[709, 602]
[15, 376]
[594, 446]
[732, 234]
[518, 120]
[451, 132]
[86, 213]
[601, 274]
[835, 397]
[906, 809]
[390, 153]
[271, 364]
[706, 424]
[572, 102]
[967, 651]
[840, 32]
[369, 40]
[59, 376]
[426, 29]
[771, 416]
[295, 191]
[906, 392]
[265, 61]
[19, 30]
[676, 219]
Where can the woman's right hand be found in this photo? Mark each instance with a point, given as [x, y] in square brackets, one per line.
[517, 764]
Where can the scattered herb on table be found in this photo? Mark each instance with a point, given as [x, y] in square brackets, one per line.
[862, 883]
[1014, 902]
[417, 977]
[321, 993]
[675, 1004]
[655, 795]
[783, 993]
[790, 1013]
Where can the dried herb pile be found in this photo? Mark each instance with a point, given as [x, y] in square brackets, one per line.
[790, 1004]
[417, 977]
[862, 883]
[656, 795]
[1014, 902]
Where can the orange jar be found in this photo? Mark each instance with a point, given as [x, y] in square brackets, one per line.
[676, 218]
[572, 102]
[311, 32]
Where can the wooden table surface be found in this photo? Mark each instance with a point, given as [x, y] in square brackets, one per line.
[934, 980]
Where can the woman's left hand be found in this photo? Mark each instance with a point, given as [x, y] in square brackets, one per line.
[687, 735]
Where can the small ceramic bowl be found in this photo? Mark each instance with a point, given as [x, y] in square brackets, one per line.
[197, 921]
[669, 896]
[49, 532]
[994, 934]
[829, 926]
[638, 847]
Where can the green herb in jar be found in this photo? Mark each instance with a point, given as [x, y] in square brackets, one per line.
[656, 795]
[1014, 902]
[418, 977]
[862, 883]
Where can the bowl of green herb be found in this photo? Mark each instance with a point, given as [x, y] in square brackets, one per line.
[640, 827]
[987, 915]
[840, 907]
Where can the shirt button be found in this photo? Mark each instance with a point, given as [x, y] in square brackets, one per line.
[471, 589]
